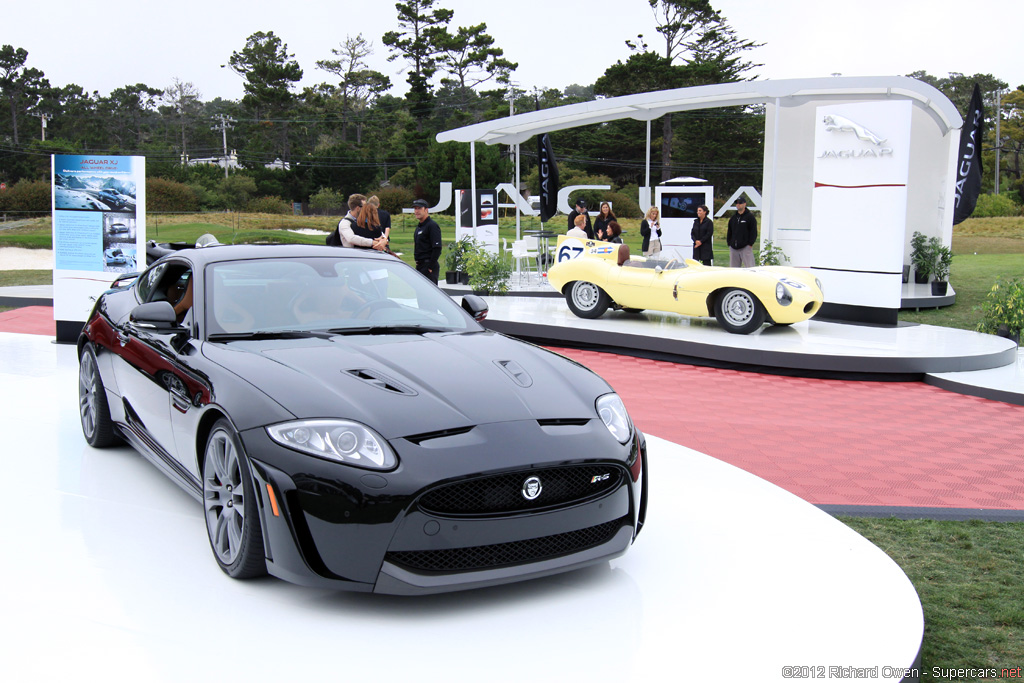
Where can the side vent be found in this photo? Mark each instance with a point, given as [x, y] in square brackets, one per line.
[516, 372]
[381, 381]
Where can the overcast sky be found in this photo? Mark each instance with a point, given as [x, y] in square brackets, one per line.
[556, 42]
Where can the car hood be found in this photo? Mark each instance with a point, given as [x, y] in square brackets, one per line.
[404, 385]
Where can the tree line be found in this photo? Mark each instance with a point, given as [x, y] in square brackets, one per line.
[348, 133]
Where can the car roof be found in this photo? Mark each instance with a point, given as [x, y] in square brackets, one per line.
[217, 253]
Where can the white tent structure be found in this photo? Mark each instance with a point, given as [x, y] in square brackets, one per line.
[852, 167]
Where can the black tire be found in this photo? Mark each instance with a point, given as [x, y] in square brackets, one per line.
[236, 538]
[586, 299]
[739, 311]
[97, 427]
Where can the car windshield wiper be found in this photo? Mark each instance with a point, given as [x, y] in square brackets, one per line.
[266, 334]
[389, 329]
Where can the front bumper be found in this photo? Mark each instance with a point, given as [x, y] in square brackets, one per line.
[344, 528]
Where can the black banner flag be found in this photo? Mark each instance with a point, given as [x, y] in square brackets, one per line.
[968, 162]
[548, 178]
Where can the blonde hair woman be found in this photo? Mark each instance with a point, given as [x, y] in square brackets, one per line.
[650, 229]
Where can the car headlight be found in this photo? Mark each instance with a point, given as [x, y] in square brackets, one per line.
[782, 294]
[616, 419]
[820, 288]
[338, 440]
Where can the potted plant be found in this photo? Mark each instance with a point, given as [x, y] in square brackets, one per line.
[1003, 309]
[488, 273]
[455, 261]
[942, 259]
[919, 258]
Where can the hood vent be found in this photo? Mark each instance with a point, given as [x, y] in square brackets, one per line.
[516, 372]
[420, 438]
[571, 421]
[381, 381]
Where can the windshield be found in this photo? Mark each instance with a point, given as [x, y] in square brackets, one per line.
[325, 293]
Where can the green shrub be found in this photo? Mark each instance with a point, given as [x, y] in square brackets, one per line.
[623, 206]
[403, 177]
[394, 199]
[268, 205]
[488, 272]
[170, 195]
[27, 195]
[1003, 306]
[235, 191]
[995, 205]
[771, 255]
[327, 200]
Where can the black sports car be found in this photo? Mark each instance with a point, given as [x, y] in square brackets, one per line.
[346, 424]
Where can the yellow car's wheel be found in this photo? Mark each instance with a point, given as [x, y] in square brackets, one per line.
[586, 299]
[739, 311]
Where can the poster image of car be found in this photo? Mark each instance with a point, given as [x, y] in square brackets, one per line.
[118, 228]
[86, 183]
[119, 260]
[681, 205]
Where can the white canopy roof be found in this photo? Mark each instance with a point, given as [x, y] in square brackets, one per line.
[652, 105]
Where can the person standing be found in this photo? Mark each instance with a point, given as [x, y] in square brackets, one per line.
[354, 236]
[741, 236]
[601, 222]
[702, 232]
[426, 241]
[650, 230]
[581, 210]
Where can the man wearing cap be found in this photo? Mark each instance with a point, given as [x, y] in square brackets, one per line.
[426, 241]
[741, 236]
[581, 210]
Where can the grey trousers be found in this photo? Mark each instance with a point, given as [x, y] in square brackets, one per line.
[744, 256]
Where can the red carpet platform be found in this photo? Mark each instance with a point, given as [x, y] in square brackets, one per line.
[29, 320]
[832, 442]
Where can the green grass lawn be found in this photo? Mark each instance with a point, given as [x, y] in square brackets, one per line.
[969, 577]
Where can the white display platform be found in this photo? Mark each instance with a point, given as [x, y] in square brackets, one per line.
[108, 573]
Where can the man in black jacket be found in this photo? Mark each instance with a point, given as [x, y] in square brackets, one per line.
[426, 241]
[741, 236]
[581, 210]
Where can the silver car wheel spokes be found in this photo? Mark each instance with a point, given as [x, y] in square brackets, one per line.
[87, 388]
[223, 496]
[585, 295]
[738, 307]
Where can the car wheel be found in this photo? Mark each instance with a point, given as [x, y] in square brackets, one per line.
[739, 311]
[232, 518]
[587, 300]
[97, 426]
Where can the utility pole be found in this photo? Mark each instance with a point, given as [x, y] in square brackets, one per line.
[225, 123]
[999, 142]
[43, 118]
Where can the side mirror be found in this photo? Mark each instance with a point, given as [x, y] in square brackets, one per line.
[158, 316]
[658, 269]
[475, 306]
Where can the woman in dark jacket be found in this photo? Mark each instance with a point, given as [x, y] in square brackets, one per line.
[701, 233]
[601, 222]
[650, 230]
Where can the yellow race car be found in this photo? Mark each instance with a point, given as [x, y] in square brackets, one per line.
[588, 274]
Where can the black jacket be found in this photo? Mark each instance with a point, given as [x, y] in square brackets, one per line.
[588, 228]
[427, 241]
[703, 231]
[600, 224]
[645, 232]
[742, 230]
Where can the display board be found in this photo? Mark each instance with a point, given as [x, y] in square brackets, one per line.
[486, 229]
[99, 231]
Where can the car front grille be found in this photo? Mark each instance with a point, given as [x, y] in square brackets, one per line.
[503, 493]
[505, 554]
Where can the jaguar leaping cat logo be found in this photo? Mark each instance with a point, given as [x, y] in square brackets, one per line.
[845, 125]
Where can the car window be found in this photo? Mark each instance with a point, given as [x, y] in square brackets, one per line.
[324, 293]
